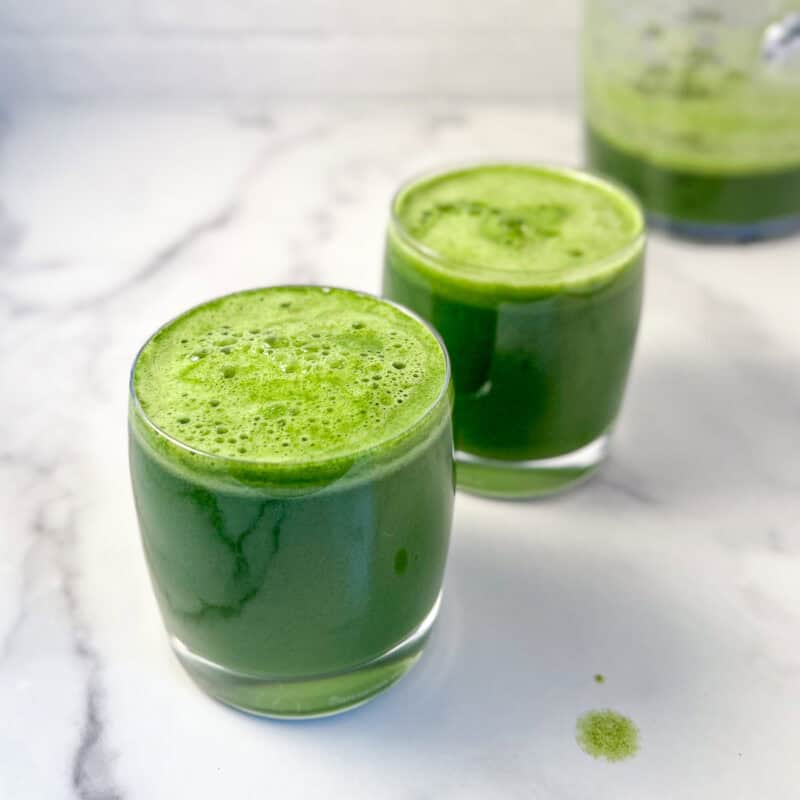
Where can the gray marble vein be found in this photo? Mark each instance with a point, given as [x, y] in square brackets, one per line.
[33, 553]
[219, 219]
[50, 559]
[92, 764]
[675, 573]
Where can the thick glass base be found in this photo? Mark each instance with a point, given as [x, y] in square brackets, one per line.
[312, 696]
[529, 479]
[718, 232]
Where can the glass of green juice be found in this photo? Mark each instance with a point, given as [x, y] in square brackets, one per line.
[291, 456]
[533, 276]
[696, 107]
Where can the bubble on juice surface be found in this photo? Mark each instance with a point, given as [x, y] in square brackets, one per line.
[284, 378]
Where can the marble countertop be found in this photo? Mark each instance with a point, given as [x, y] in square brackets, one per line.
[675, 573]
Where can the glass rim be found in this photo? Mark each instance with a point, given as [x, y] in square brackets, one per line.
[287, 466]
[581, 175]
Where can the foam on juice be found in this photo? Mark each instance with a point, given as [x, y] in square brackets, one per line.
[517, 224]
[289, 374]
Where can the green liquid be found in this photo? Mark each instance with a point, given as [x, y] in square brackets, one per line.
[608, 735]
[533, 277]
[709, 204]
[291, 459]
[694, 122]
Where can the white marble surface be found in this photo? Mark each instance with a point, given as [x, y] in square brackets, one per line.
[676, 573]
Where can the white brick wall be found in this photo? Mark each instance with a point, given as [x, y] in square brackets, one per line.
[201, 49]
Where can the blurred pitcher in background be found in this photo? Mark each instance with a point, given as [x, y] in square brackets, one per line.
[696, 106]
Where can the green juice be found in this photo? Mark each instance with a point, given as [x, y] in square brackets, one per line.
[691, 117]
[533, 277]
[291, 458]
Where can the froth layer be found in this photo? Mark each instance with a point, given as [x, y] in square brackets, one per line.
[517, 224]
[289, 375]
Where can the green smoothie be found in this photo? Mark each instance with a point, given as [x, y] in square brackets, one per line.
[533, 277]
[691, 116]
[291, 458]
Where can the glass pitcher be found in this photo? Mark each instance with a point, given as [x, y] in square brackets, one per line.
[695, 105]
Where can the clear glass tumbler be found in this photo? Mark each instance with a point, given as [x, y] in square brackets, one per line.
[291, 459]
[533, 276]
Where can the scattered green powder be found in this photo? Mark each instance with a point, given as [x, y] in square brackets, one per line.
[599, 678]
[606, 734]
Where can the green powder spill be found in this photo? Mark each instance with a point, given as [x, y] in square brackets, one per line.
[606, 734]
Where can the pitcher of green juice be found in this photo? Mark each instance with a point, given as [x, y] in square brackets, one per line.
[695, 105]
